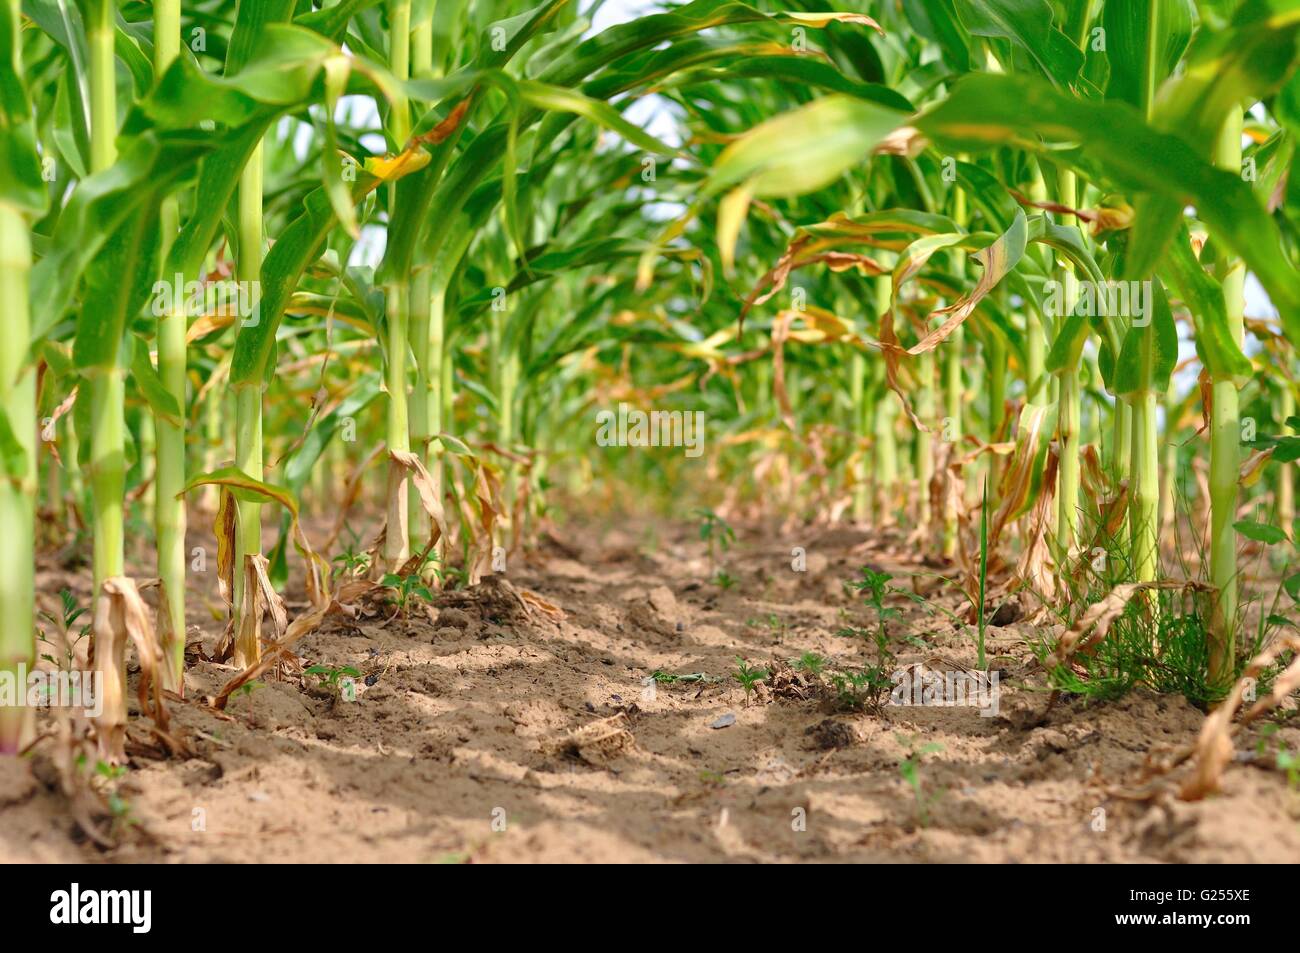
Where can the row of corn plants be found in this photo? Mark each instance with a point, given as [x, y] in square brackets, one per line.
[905, 258]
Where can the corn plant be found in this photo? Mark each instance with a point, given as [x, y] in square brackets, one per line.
[279, 265]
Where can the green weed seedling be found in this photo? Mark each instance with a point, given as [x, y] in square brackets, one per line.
[856, 689]
[671, 678]
[773, 623]
[333, 677]
[405, 590]
[1284, 759]
[119, 806]
[67, 619]
[909, 769]
[861, 688]
[875, 587]
[811, 663]
[718, 533]
[748, 677]
[351, 564]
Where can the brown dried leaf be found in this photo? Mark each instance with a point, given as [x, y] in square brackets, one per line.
[120, 616]
[1213, 749]
[304, 625]
[1092, 626]
[597, 743]
[429, 500]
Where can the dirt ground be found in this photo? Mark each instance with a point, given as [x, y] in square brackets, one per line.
[459, 745]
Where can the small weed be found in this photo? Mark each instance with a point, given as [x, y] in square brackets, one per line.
[65, 622]
[876, 588]
[331, 677]
[669, 678]
[1284, 759]
[405, 590]
[352, 562]
[856, 689]
[748, 677]
[810, 662]
[861, 688]
[773, 623]
[909, 769]
[718, 533]
[117, 804]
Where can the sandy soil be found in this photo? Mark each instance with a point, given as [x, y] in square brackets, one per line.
[459, 745]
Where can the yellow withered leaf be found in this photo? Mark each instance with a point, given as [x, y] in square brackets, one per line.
[391, 168]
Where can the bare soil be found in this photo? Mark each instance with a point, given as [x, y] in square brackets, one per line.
[486, 732]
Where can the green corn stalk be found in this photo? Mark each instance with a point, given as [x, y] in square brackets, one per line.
[1070, 397]
[1035, 336]
[1225, 443]
[248, 396]
[425, 407]
[923, 446]
[438, 382]
[21, 197]
[17, 470]
[107, 383]
[420, 428]
[397, 542]
[886, 416]
[507, 366]
[860, 421]
[1140, 404]
[1169, 472]
[169, 512]
[1286, 471]
[953, 386]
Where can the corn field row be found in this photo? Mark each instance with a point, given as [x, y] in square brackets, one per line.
[1014, 279]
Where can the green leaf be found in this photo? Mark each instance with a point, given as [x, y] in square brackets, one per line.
[251, 23]
[1248, 61]
[118, 283]
[1133, 372]
[146, 378]
[797, 152]
[13, 457]
[148, 166]
[1029, 24]
[557, 98]
[937, 20]
[298, 245]
[340, 196]
[1144, 41]
[244, 487]
[20, 170]
[804, 149]
[1215, 342]
[1260, 532]
[992, 110]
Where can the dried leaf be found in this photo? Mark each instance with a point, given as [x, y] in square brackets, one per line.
[122, 616]
[1213, 749]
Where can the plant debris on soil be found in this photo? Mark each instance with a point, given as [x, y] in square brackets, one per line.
[570, 711]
